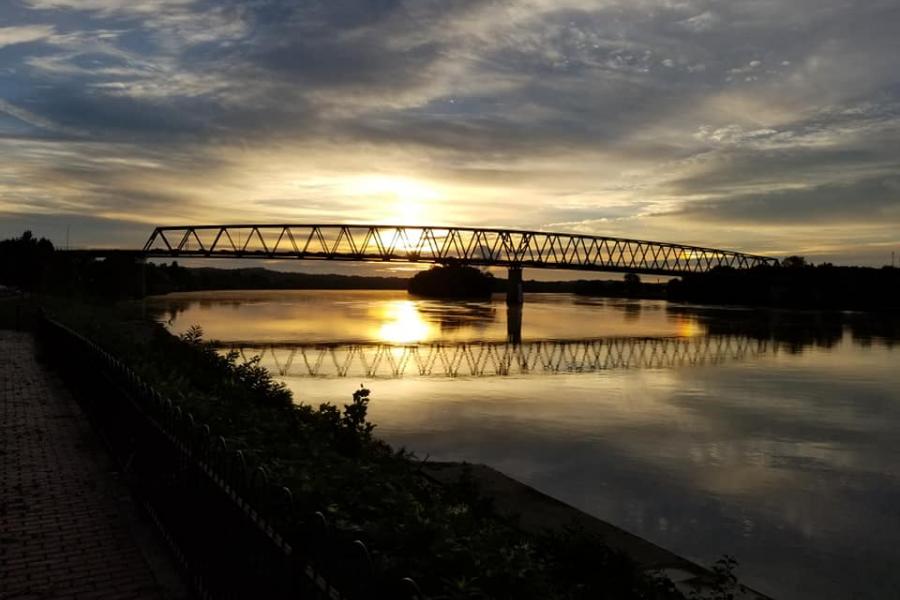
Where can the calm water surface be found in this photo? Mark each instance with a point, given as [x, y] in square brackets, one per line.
[771, 436]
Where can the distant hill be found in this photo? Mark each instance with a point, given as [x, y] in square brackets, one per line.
[436, 282]
[164, 278]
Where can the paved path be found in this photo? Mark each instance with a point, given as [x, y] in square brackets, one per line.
[66, 527]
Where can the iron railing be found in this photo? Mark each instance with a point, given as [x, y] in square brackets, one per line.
[462, 245]
[235, 533]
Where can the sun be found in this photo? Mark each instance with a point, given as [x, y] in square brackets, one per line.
[402, 200]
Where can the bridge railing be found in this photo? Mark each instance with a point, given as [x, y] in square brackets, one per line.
[235, 532]
[465, 245]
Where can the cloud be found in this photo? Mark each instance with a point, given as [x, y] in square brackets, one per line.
[108, 6]
[611, 117]
[28, 117]
[704, 21]
[869, 200]
[24, 33]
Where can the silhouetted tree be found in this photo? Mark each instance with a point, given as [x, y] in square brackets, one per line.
[632, 285]
[23, 260]
[452, 281]
[799, 285]
[794, 262]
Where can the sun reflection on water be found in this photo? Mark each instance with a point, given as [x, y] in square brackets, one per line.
[688, 327]
[402, 323]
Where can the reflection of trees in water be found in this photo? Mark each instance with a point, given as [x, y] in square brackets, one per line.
[452, 317]
[868, 328]
[631, 311]
[168, 309]
[793, 331]
[796, 330]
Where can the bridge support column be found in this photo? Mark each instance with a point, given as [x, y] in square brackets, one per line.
[514, 324]
[514, 293]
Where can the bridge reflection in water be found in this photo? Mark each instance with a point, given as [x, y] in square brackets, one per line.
[491, 359]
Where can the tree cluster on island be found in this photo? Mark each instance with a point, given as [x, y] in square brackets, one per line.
[452, 281]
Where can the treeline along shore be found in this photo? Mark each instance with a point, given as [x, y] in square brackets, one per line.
[33, 264]
[795, 284]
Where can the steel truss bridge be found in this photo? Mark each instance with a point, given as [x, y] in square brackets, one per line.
[515, 249]
[490, 359]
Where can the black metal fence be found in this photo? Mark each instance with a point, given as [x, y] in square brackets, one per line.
[235, 532]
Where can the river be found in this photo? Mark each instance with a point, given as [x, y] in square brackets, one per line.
[771, 436]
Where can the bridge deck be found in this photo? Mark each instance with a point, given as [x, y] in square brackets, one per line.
[443, 245]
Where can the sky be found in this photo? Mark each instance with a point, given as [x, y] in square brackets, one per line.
[767, 126]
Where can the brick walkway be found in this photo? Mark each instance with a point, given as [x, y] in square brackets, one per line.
[66, 530]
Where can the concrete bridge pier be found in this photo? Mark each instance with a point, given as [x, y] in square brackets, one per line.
[514, 293]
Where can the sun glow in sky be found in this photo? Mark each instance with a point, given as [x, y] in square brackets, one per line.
[403, 201]
[767, 127]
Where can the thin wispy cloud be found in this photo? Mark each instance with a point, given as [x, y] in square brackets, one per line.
[23, 34]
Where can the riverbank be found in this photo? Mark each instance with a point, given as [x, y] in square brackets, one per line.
[254, 414]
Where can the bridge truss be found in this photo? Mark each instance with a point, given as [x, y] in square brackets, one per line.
[493, 359]
[442, 245]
